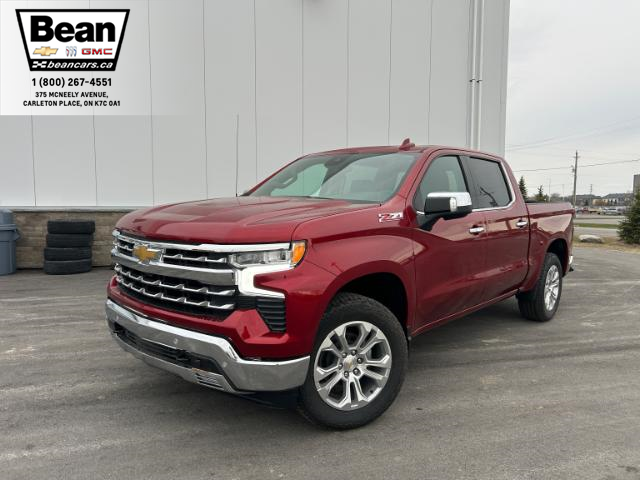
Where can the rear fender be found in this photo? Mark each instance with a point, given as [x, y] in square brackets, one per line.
[539, 247]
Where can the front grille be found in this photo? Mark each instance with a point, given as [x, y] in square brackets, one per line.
[177, 256]
[165, 352]
[191, 279]
[195, 298]
[189, 296]
[124, 245]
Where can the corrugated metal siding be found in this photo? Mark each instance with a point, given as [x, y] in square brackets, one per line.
[257, 83]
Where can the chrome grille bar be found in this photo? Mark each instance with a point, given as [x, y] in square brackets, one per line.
[179, 286]
[180, 300]
[200, 258]
[205, 275]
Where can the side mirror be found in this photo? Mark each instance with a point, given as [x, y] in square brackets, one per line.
[448, 204]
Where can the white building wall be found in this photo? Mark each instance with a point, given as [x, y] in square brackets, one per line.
[258, 83]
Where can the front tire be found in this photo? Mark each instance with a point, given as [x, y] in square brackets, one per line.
[357, 366]
[541, 303]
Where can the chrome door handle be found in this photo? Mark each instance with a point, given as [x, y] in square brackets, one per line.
[522, 223]
[476, 230]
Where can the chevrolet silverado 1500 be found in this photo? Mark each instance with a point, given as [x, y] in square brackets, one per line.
[314, 281]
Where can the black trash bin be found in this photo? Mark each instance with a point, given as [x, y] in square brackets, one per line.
[8, 236]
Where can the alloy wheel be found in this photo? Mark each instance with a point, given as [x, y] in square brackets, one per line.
[551, 287]
[352, 365]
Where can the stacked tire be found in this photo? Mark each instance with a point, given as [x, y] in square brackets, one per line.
[68, 247]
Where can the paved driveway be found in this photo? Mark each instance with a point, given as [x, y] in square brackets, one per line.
[491, 396]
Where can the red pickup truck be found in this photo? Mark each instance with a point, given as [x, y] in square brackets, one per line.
[315, 281]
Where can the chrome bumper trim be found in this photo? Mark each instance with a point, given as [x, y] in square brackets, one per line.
[208, 379]
[240, 375]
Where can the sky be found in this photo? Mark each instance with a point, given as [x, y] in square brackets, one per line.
[574, 84]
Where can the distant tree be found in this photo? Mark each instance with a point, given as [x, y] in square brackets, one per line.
[629, 228]
[555, 197]
[523, 187]
[540, 196]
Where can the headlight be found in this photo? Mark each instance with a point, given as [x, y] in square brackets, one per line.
[290, 256]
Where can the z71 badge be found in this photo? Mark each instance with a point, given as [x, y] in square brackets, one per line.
[390, 217]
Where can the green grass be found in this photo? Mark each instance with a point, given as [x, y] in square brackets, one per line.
[596, 225]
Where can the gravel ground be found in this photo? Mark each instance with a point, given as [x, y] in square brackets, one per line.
[491, 396]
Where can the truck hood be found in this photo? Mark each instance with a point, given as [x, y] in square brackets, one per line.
[231, 220]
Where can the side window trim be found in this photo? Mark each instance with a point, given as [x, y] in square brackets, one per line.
[474, 195]
[465, 175]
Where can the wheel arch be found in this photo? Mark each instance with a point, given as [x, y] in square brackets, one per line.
[560, 248]
[383, 284]
[540, 246]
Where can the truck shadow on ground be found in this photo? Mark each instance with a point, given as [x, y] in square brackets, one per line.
[431, 353]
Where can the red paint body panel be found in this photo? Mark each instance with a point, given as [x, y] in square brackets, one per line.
[231, 220]
[446, 272]
[507, 249]
[549, 222]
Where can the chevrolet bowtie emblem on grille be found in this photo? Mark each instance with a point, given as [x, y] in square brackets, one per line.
[45, 51]
[145, 254]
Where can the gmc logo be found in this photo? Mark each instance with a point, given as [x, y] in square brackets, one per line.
[97, 51]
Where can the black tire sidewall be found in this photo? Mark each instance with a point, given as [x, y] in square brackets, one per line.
[357, 309]
[67, 267]
[66, 240]
[63, 254]
[71, 226]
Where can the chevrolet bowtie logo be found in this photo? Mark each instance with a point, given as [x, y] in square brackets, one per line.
[45, 51]
[145, 254]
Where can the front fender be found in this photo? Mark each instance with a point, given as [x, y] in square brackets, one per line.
[352, 258]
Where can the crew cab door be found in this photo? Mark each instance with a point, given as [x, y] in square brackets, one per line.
[507, 226]
[449, 254]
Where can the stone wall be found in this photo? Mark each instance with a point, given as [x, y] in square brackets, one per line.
[32, 225]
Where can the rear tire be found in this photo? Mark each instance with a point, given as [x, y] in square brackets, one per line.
[67, 267]
[541, 303]
[366, 372]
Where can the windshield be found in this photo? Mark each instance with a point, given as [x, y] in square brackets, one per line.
[357, 177]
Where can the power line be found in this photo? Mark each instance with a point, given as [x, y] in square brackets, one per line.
[562, 138]
[581, 166]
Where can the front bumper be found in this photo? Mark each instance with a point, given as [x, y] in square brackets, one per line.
[199, 358]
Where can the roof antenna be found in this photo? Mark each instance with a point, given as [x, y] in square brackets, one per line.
[407, 144]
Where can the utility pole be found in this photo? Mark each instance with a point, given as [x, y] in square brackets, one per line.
[575, 178]
[549, 192]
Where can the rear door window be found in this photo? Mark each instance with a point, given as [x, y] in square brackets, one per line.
[492, 190]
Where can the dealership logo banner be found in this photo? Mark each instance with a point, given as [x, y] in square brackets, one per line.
[72, 40]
